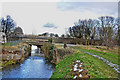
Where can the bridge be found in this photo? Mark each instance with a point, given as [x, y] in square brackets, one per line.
[35, 40]
[30, 39]
[38, 41]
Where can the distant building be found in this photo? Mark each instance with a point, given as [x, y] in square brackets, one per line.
[16, 35]
[18, 31]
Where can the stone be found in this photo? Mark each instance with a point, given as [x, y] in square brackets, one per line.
[106, 61]
[80, 75]
[75, 77]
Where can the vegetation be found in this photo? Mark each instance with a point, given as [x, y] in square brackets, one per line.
[7, 25]
[50, 40]
[112, 57]
[47, 48]
[16, 49]
[63, 36]
[6, 44]
[105, 29]
[49, 34]
[12, 43]
[58, 46]
[6, 63]
[97, 68]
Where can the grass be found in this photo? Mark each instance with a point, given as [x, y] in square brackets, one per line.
[58, 46]
[109, 56]
[97, 68]
[6, 63]
[6, 44]
[13, 43]
[113, 50]
[104, 48]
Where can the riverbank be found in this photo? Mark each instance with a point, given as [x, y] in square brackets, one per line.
[96, 67]
[55, 54]
[32, 67]
[14, 54]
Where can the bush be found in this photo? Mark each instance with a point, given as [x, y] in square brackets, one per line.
[47, 48]
[50, 40]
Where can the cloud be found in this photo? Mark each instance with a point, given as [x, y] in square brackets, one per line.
[0, 9]
[49, 25]
[96, 7]
[32, 17]
[89, 0]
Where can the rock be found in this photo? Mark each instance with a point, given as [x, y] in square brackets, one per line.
[15, 53]
[75, 77]
[111, 64]
[78, 70]
[80, 75]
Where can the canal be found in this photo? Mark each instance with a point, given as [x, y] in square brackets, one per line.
[34, 66]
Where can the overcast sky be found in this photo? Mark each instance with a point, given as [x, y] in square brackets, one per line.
[34, 17]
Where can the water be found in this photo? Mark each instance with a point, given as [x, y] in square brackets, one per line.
[32, 67]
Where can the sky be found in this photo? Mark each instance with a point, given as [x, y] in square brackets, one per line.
[34, 17]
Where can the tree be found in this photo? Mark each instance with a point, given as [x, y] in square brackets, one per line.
[56, 35]
[80, 30]
[107, 29]
[93, 24]
[70, 31]
[51, 35]
[67, 36]
[117, 30]
[50, 40]
[63, 36]
[45, 34]
[7, 25]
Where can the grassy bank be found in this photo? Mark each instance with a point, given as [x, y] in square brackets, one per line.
[9, 56]
[97, 68]
[112, 57]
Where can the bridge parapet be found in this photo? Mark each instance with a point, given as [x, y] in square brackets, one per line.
[37, 43]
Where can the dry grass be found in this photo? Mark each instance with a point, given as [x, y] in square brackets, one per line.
[103, 49]
[58, 46]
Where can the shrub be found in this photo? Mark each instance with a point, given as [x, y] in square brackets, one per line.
[50, 40]
[47, 48]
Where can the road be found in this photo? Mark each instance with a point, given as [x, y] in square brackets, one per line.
[68, 44]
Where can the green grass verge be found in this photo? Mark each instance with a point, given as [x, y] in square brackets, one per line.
[109, 56]
[97, 68]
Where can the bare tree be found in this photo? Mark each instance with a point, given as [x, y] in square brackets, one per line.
[7, 25]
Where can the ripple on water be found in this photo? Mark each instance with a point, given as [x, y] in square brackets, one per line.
[33, 67]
